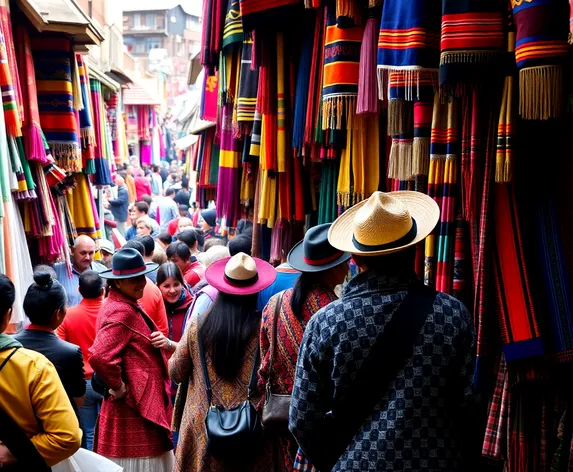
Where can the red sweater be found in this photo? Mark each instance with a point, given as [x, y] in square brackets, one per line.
[194, 273]
[142, 187]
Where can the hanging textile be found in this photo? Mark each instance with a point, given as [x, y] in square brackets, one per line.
[365, 159]
[233, 29]
[32, 131]
[327, 211]
[85, 118]
[248, 86]
[11, 111]
[302, 90]
[504, 156]
[82, 208]
[209, 98]
[541, 51]
[101, 149]
[341, 71]
[519, 329]
[495, 440]
[212, 33]
[269, 14]
[6, 23]
[409, 42]
[422, 134]
[472, 42]
[367, 101]
[131, 125]
[55, 99]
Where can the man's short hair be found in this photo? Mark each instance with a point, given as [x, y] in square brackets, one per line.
[90, 284]
[169, 192]
[147, 199]
[183, 209]
[142, 207]
[148, 243]
[135, 244]
[165, 238]
[214, 242]
[240, 244]
[188, 236]
[155, 168]
[178, 249]
[45, 268]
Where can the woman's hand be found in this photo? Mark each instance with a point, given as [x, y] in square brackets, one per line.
[6, 457]
[159, 341]
[119, 393]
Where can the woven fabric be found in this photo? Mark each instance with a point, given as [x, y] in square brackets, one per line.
[55, 99]
[495, 440]
[33, 141]
[411, 435]
[302, 92]
[341, 72]
[268, 13]
[541, 50]
[102, 152]
[13, 88]
[422, 135]
[248, 86]
[233, 29]
[518, 324]
[314, 105]
[80, 201]
[209, 97]
[409, 41]
[11, 112]
[86, 126]
[472, 40]
[212, 33]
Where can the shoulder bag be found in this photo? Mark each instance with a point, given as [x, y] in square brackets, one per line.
[234, 432]
[18, 442]
[276, 406]
[387, 356]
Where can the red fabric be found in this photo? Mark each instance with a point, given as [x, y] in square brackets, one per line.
[194, 273]
[142, 187]
[79, 328]
[152, 304]
[172, 226]
[138, 425]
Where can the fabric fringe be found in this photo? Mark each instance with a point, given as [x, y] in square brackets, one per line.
[400, 117]
[415, 79]
[472, 57]
[338, 112]
[400, 160]
[541, 92]
[348, 9]
[421, 156]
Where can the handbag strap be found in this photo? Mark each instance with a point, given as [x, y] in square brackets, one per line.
[8, 357]
[274, 336]
[252, 381]
[387, 356]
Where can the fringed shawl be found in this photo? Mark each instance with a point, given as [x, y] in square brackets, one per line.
[541, 51]
[82, 208]
[472, 42]
[233, 29]
[248, 86]
[341, 72]
[56, 101]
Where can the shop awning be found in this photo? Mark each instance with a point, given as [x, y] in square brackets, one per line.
[97, 74]
[186, 142]
[119, 76]
[135, 94]
[61, 16]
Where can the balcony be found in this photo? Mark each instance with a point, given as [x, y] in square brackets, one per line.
[144, 29]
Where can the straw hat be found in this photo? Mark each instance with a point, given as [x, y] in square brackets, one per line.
[240, 275]
[385, 223]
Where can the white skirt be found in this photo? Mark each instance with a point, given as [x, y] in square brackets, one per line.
[163, 463]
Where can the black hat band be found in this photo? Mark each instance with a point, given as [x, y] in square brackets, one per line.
[407, 238]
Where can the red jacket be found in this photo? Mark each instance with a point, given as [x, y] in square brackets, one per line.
[139, 425]
[142, 187]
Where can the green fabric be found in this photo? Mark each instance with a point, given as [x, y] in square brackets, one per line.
[8, 342]
[25, 166]
[214, 165]
[327, 209]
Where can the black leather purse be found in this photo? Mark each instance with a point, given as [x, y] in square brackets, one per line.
[234, 432]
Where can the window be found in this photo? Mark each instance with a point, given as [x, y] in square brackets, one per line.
[137, 21]
[192, 23]
[139, 47]
[173, 19]
[150, 20]
[153, 43]
[160, 21]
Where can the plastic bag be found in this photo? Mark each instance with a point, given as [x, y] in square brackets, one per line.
[87, 461]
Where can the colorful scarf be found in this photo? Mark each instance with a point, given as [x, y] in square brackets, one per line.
[6, 21]
[518, 324]
[55, 98]
[33, 141]
[11, 111]
[341, 71]
[101, 150]
[269, 13]
[80, 201]
[504, 155]
[541, 51]
[472, 41]
[209, 98]
[248, 86]
[233, 30]
[555, 277]
[212, 33]
[302, 90]
[131, 128]
[409, 42]
[494, 443]
[442, 181]
[367, 83]
[422, 134]
[327, 211]
[85, 119]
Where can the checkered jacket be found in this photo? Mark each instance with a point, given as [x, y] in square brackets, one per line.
[413, 427]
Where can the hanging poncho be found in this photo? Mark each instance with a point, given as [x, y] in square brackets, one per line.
[541, 51]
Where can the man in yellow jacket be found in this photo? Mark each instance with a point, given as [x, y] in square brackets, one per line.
[33, 396]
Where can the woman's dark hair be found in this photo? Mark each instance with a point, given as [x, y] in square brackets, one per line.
[135, 244]
[302, 287]
[167, 270]
[179, 249]
[148, 244]
[165, 238]
[7, 294]
[188, 236]
[229, 327]
[44, 298]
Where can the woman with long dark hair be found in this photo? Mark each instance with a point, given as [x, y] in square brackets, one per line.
[322, 268]
[134, 425]
[228, 332]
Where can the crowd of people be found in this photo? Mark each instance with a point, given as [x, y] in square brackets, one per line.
[179, 351]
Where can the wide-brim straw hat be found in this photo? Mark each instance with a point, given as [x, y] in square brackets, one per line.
[385, 223]
[314, 253]
[126, 264]
[240, 275]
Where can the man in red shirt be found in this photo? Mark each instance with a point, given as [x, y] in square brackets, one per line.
[173, 226]
[193, 271]
[142, 185]
[79, 328]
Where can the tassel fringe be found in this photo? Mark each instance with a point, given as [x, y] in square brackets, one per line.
[400, 160]
[454, 57]
[421, 156]
[338, 112]
[541, 92]
[400, 117]
[414, 79]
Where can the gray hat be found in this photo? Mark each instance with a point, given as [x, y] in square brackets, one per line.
[106, 245]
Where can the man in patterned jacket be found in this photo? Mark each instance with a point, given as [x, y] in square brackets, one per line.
[413, 425]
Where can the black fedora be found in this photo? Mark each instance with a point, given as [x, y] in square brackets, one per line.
[314, 253]
[126, 264]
